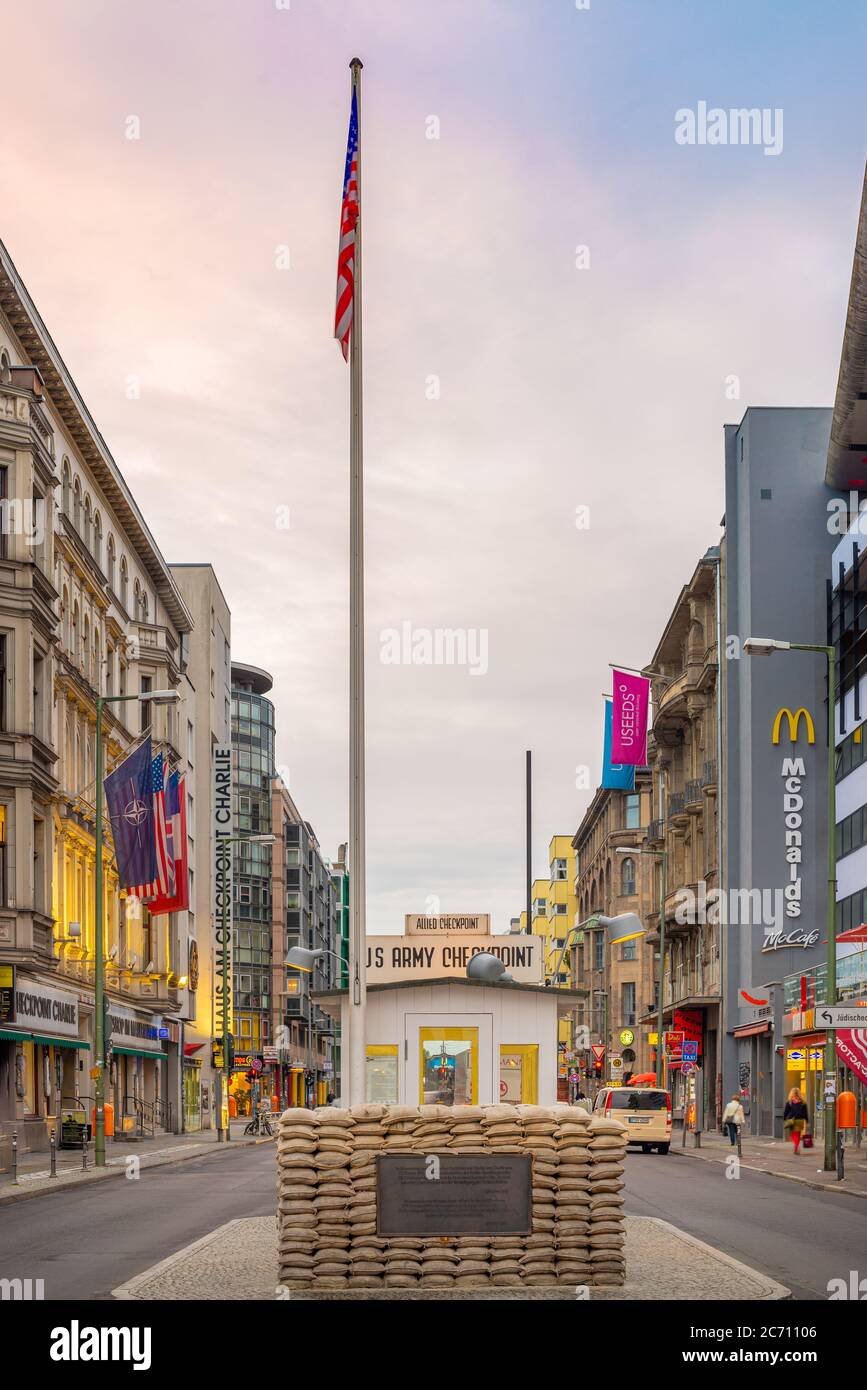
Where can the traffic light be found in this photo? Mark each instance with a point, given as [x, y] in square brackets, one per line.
[597, 1066]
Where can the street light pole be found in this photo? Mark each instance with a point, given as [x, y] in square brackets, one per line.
[765, 646]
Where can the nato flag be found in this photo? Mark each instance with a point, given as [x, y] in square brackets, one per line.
[619, 776]
[130, 801]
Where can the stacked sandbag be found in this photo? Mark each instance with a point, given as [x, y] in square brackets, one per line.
[327, 1198]
[607, 1229]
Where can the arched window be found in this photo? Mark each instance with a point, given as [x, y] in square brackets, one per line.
[110, 560]
[76, 506]
[88, 512]
[136, 601]
[124, 582]
[627, 878]
[64, 619]
[84, 659]
[73, 646]
[97, 538]
[144, 607]
[66, 485]
[5, 368]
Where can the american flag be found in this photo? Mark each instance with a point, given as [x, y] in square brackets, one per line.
[165, 860]
[346, 253]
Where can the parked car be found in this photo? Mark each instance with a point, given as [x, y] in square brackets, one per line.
[644, 1110]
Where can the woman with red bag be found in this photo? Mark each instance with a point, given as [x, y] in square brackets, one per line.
[795, 1118]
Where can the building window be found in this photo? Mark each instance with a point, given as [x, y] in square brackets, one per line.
[558, 869]
[145, 688]
[628, 1002]
[111, 558]
[2, 682]
[3, 898]
[632, 813]
[67, 484]
[627, 878]
[630, 950]
[124, 582]
[97, 538]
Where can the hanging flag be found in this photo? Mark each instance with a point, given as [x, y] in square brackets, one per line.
[129, 799]
[346, 252]
[852, 1049]
[178, 899]
[629, 722]
[617, 776]
[160, 883]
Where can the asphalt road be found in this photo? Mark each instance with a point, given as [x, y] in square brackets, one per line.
[798, 1236]
[86, 1242]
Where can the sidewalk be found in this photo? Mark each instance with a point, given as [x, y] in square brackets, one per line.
[775, 1156]
[34, 1175]
[238, 1262]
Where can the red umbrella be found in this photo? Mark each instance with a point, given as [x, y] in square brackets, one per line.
[643, 1078]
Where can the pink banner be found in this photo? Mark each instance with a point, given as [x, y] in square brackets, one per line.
[629, 723]
[852, 1049]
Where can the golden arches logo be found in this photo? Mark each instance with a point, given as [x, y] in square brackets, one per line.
[794, 722]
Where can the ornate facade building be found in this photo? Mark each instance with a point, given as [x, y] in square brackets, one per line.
[87, 607]
[684, 824]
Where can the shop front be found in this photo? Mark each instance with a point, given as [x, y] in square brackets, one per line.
[138, 1081]
[39, 1058]
[457, 1042]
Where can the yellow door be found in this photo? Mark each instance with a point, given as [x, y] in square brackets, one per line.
[519, 1073]
[448, 1066]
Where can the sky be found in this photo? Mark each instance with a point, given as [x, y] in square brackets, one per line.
[563, 305]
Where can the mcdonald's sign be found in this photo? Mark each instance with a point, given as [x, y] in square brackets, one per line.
[794, 722]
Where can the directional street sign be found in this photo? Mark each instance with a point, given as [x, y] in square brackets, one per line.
[841, 1016]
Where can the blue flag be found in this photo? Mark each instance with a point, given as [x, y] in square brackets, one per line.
[130, 801]
[617, 776]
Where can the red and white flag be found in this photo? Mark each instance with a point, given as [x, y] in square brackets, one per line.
[346, 253]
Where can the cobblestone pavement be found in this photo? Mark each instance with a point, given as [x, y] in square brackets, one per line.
[238, 1261]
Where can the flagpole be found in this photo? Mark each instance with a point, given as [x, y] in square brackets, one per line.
[357, 929]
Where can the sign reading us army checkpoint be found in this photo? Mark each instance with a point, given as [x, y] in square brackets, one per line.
[408, 958]
[453, 1194]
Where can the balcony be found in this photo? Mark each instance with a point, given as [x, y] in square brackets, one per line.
[677, 804]
[694, 792]
[709, 774]
[656, 831]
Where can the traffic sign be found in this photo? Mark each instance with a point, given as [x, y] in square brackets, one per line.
[841, 1016]
[598, 1050]
[689, 1050]
[687, 1067]
[256, 1064]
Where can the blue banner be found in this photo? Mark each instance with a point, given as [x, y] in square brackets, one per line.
[130, 800]
[617, 776]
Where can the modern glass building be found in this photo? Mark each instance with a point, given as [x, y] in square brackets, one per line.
[253, 770]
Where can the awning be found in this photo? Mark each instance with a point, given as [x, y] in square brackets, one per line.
[749, 1030]
[190, 1049]
[7, 1035]
[139, 1052]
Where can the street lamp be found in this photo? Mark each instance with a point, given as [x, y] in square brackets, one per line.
[154, 697]
[488, 969]
[766, 646]
[225, 930]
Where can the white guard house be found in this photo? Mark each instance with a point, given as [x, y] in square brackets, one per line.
[455, 1041]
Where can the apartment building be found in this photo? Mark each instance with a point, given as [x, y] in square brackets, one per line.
[88, 607]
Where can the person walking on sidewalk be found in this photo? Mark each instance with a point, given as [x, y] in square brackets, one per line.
[733, 1118]
[795, 1118]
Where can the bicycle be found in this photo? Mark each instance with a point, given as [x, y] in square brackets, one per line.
[260, 1124]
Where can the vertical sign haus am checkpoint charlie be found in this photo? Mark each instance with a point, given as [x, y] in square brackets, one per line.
[221, 825]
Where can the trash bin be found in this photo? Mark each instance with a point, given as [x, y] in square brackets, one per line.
[108, 1118]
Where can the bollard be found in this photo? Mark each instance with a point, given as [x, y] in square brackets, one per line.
[740, 1150]
[841, 1164]
[84, 1148]
[53, 1173]
[15, 1157]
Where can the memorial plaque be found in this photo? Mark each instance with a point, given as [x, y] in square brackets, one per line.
[453, 1194]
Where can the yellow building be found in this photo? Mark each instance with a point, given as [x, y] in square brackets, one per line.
[555, 905]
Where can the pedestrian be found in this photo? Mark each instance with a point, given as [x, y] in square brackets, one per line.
[733, 1118]
[795, 1118]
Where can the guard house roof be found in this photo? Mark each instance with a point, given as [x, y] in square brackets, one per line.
[847, 451]
[332, 997]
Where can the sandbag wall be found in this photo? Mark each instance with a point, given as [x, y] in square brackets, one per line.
[326, 1180]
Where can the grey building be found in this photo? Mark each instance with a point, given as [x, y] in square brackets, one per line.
[776, 554]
